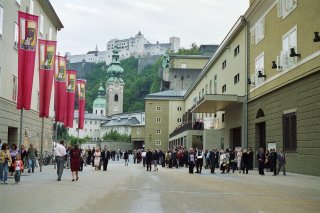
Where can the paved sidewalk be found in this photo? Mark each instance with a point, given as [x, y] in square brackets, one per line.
[132, 189]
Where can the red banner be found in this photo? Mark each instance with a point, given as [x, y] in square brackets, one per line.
[60, 89]
[81, 88]
[27, 45]
[47, 57]
[69, 112]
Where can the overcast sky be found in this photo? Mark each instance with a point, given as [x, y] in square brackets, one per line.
[88, 23]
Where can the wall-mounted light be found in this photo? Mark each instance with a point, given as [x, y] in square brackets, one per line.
[316, 37]
[274, 65]
[293, 53]
[260, 75]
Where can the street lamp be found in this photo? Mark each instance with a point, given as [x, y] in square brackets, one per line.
[182, 77]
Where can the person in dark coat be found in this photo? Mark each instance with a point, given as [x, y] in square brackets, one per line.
[149, 157]
[274, 161]
[75, 160]
[281, 162]
[126, 157]
[106, 155]
[212, 160]
[191, 160]
[155, 157]
[261, 157]
[245, 161]
[250, 153]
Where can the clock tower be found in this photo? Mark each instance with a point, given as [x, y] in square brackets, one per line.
[114, 85]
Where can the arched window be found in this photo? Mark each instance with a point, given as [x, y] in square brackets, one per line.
[116, 98]
[260, 113]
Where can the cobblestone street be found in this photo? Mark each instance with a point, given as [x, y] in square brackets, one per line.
[132, 189]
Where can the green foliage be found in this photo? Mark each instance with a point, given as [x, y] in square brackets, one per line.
[62, 133]
[74, 140]
[194, 50]
[137, 85]
[116, 136]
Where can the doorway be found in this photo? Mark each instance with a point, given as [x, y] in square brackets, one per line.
[12, 136]
[235, 136]
[261, 135]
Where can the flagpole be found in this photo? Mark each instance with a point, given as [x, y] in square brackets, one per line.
[41, 149]
[21, 121]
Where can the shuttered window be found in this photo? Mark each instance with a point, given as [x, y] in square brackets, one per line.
[289, 122]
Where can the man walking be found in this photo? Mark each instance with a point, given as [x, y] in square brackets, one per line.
[281, 162]
[105, 158]
[261, 159]
[274, 161]
[61, 154]
[199, 162]
[212, 160]
[149, 157]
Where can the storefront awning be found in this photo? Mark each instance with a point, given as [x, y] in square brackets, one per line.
[214, 103]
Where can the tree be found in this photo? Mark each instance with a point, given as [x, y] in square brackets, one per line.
[194, 50]
[115, 136]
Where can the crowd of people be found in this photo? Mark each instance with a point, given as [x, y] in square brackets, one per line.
[14, 161]
[226, 161]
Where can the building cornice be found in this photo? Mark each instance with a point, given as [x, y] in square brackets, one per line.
[49, 10]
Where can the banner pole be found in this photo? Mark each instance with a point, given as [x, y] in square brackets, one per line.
[21, 121]
[41, 149]
[78, 137]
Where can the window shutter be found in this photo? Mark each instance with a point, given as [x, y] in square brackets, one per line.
[280, 8]
[293, 131]
[286, 137]
[253, 35]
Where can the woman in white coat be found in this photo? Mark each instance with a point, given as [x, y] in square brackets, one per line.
[239, 157]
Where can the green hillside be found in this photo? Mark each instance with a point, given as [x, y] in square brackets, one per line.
[137, 86]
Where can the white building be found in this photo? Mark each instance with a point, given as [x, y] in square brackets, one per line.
[49, 24]
[137, 46]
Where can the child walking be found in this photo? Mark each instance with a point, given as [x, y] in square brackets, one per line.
[18, 167]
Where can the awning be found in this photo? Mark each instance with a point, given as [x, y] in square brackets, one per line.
[214, 103]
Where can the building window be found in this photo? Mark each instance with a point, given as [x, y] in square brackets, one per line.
[158, 142]
[236, 51]
[179, 120]
[158, 120]
[259, 65]
[183, 66]
[224, 88]
[215, 81]
[236, 78]
[286, 6]
[16, 35]
[95, 122]
[158, 131]
[206, 89]
[179, 108]
[210, 87]
[224, 64]
[1, 21]
[50, 33]
[101, 112]
[41, 24]
[85, 122]
[257, 31]
[158, 108]
[138, 131]
[85, 130]
[289, 123]
[223, 117]
[31, 6]
[76, 121]
[116, 98]
[289, 40]
[90, 122]
[90, 130]
[14, 87]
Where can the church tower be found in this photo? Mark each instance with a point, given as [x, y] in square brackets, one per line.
[114, 85]
[100, 103]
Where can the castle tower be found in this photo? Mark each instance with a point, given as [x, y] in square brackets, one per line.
[100, 104]
[114, 85]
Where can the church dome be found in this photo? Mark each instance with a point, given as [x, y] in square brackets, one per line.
[101, 101]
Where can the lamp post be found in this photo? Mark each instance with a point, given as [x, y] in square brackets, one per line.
[182, 77]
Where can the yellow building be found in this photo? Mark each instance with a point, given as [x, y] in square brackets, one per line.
[284, 67]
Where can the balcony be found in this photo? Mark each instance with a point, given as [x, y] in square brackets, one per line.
[197, 125]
